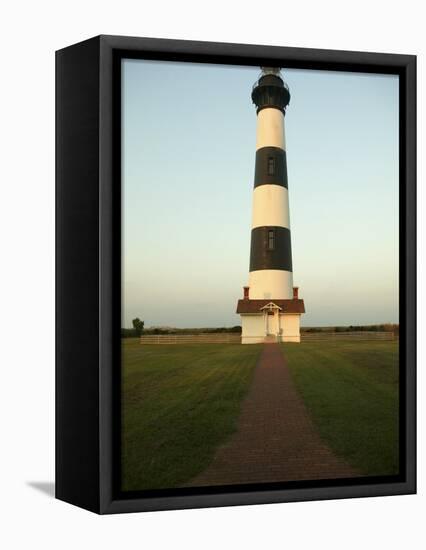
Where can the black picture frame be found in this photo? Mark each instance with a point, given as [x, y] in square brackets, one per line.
[88, 217]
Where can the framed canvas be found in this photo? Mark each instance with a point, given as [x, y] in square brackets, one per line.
[206, 353]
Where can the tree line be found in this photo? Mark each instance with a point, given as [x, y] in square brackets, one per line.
[385, 327]
[139, 329]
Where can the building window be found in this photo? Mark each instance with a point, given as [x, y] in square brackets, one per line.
[271, 239]
[271, 166]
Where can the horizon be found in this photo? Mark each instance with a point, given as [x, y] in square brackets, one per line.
[164, 327]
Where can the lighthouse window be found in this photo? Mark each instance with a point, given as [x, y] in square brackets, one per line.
[271, 239]
[271, 166]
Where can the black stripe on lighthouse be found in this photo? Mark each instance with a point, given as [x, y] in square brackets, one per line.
[270, 248]
[271, 167]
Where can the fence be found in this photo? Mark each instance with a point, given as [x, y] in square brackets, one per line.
[235, 338]
[359, 335]
[214, 338]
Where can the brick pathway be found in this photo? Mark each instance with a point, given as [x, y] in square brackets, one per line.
[275, 440]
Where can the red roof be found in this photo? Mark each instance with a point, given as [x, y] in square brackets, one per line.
[255, 306]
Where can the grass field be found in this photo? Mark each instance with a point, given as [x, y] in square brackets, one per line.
[180, 402]
[351, 392]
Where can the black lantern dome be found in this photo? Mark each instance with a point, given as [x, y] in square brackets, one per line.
[270, 90]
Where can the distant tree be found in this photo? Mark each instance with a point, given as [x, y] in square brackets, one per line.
[138, 326]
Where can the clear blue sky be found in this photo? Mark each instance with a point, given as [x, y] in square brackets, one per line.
[189, 134]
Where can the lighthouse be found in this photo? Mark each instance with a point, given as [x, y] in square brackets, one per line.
[270, 308]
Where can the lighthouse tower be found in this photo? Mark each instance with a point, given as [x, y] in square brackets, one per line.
[270, 309]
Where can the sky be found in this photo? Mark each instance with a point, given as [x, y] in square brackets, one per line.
[188, 152]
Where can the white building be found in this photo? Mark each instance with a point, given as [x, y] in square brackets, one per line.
[271, 308]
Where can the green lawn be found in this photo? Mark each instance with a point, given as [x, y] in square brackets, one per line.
[180, 402]
[351, 392]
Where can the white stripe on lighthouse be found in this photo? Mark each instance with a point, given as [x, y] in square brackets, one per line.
[270, 206]
[271, 284]
[270, 128]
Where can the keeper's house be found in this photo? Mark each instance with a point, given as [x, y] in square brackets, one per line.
[270, 320]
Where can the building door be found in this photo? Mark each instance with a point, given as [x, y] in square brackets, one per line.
[270, 324]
